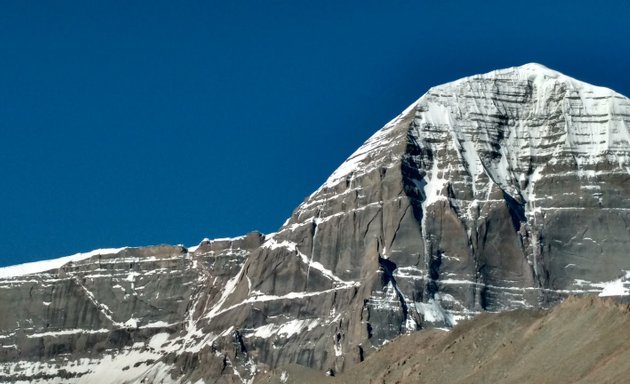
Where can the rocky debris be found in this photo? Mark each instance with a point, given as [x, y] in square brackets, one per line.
[494, 192]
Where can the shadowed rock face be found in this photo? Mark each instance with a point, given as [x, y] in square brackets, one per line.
[497, 191]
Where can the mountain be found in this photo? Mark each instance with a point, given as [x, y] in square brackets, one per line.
[499, 191]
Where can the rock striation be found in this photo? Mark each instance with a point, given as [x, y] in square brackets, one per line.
[505, 190]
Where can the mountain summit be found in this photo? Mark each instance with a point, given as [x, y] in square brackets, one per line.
[497, 191]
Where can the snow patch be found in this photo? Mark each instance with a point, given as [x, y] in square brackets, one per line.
[433, 312]
[66, 332]
[614, 288]
[158, 340]
[132, 322]
[158, 324]
[287, 329]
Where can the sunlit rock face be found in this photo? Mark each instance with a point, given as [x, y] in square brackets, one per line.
[504, 190]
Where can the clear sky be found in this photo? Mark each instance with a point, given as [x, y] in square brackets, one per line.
[147, 122]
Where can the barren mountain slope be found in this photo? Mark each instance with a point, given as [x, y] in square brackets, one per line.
[584, 340]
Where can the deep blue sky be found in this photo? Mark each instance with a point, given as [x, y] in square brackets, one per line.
[145, 122]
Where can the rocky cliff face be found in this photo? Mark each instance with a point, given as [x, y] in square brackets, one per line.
[108, 316]
[497, 191]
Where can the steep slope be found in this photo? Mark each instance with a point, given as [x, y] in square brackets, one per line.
[583, 340]
[498, 191]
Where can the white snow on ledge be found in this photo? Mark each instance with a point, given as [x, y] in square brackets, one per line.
[194, 248]
[616, 287]
[67, 332]
[47, 265]
[287, 329]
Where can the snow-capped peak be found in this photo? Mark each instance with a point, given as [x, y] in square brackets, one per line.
[538, 75]
[442, 105]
